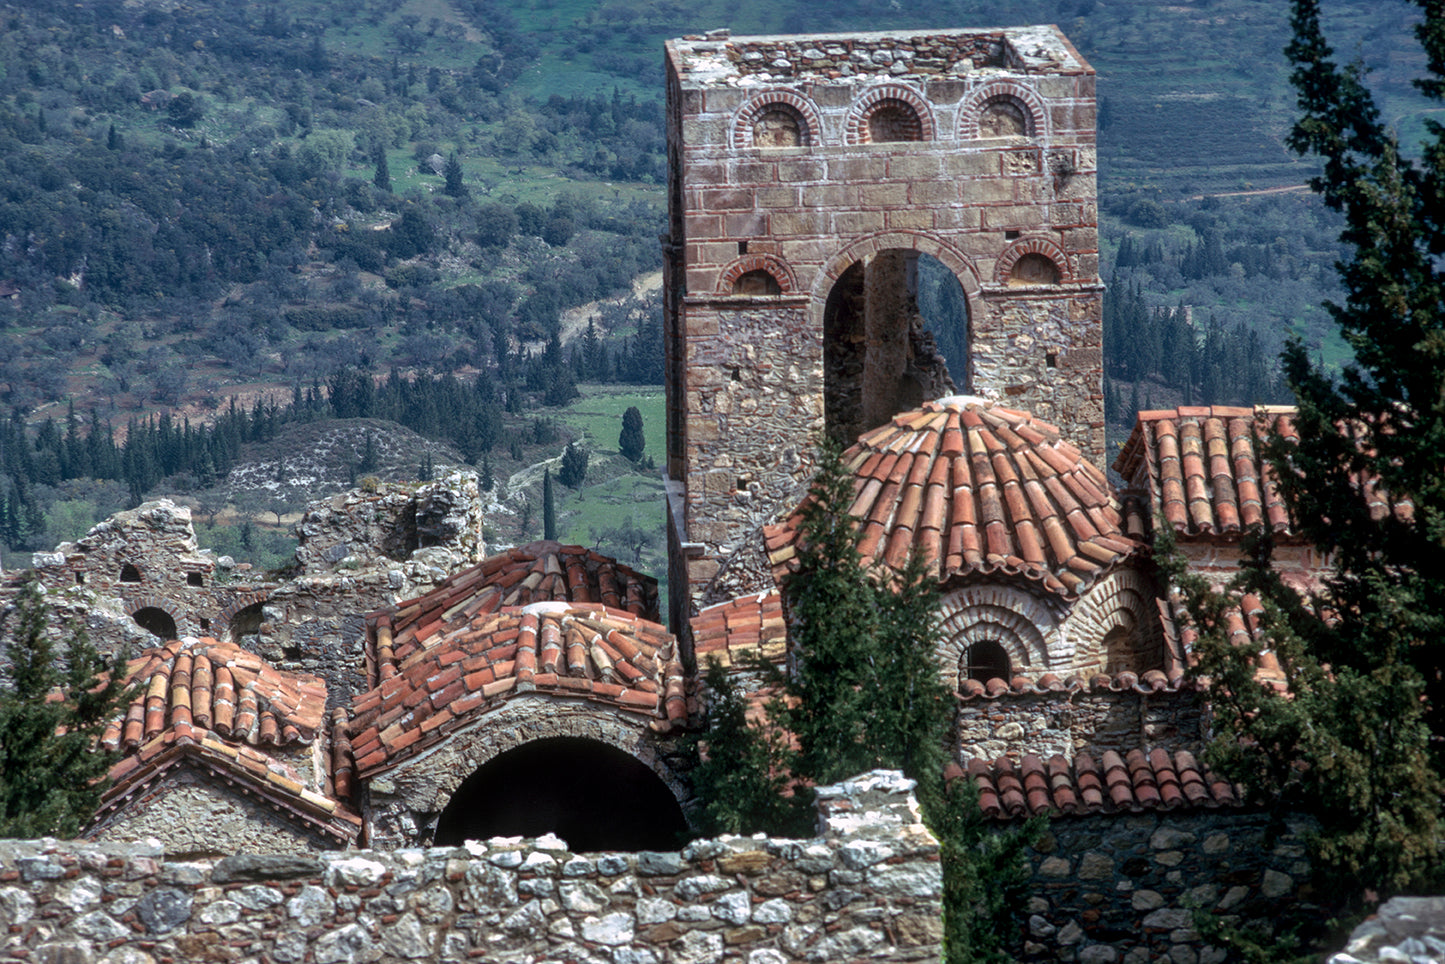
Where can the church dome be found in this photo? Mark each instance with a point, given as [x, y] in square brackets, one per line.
[981, 490]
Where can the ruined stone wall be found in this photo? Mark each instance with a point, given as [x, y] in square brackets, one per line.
[1065, 724]
[868, 888]
[1124, 888]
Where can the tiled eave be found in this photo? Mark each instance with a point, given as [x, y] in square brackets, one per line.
[1051, 684]
[1139, 781]
[739, 630]
[243, 769]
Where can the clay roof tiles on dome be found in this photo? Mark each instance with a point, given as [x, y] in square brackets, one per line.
[1139, 780]
[542, 571]
[211, 705]
[470, 663]
[980, 489]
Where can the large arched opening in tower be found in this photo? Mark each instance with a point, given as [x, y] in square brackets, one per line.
[155, 621]
[593, 796]
[895, 334]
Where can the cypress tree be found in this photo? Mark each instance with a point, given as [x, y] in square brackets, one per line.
[455, 186]
[1363, 656]
[631, 442]
[51, 764]
[382, 177]
[549, 507]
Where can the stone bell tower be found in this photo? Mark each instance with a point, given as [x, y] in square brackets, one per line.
[807, 177]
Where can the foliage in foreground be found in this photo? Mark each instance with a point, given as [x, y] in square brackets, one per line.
[1352, 743]
[51, 768]
[865, 693]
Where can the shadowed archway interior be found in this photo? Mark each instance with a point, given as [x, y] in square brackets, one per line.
[593, 796]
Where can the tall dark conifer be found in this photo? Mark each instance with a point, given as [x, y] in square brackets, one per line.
[1352, 742]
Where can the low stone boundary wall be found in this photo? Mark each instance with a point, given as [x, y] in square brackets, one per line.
[869, 888]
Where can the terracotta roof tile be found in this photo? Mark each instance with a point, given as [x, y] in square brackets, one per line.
[175, 688]
[611, 656]
[740, 629]
[1153, 681]
[1140, 780]
[542, 571]
[1202, 469]
[978, 488]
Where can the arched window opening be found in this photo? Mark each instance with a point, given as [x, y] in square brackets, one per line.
[983, 661]
[129, 573]
[894, 120]
[246, 622]
[155, 621]
[1003, 118]
[757, 282]
[593, 796]
[1033, 269]
[895, 334]
[779, 126]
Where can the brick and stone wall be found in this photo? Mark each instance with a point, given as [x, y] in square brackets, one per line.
[868, 888]
[1089, 720]
[797, 163]
[1125, 887]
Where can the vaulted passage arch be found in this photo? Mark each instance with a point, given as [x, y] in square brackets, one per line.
[593, 796]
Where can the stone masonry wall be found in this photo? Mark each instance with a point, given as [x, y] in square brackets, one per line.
[869, 889]
[1065, 724]
[1125, 888]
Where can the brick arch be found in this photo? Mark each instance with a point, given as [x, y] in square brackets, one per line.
[1123, 600]
[238, 602]
[756, 105]
[1043, 247]
[856, 129]
[134, 604]
[1018, 621]
[523, 719]
[1025, 98]
[780, 270]
[922, 242]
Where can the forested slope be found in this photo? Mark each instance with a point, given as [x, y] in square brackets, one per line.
[223, 199]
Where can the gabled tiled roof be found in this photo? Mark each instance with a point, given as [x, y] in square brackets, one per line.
[213, 706]
[1153, 681]
[1203, 470]
[981, 489]
[543, 571]
[1140, 780]
[244, 769]
[207, 684]
[472, 663]
[740, 629]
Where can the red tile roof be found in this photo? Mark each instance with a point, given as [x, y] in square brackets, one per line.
[1153, 681]
[735, 631]
[206, 684]
[979, 488]
[1203, 469]
[543, 571]
[212, 706]
[1140, 780]
[471, 663]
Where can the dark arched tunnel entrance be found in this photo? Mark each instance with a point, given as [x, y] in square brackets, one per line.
[593, 796]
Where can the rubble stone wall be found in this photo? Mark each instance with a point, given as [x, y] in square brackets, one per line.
[1125, 888]
[868, 888]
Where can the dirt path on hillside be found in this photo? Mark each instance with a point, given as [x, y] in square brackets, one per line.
[1291, 189]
